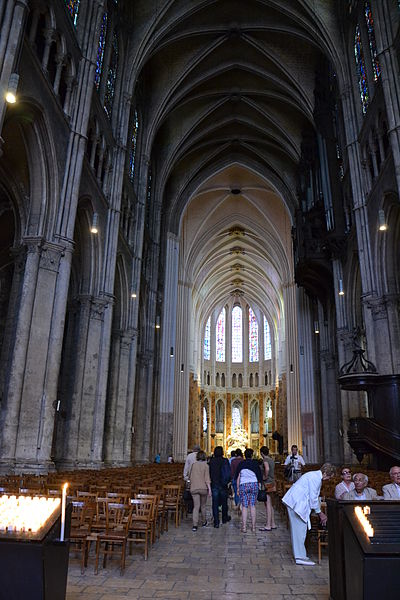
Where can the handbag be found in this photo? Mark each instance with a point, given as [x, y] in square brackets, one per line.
[262, 495]
[270, 487]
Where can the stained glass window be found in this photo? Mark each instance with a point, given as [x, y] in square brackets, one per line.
[237, 335]
[267, 340]
[361, 71]
[371, 38]
[207, 337]
[112, 76]
[236, 416]
[253, 337]
[100, 50]
[132, 154]
[220, 337]
[73, 9]
[204, 419]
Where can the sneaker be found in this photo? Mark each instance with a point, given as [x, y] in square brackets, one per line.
[194, 528]
[204, 524]
[216, 525]
[305, 561]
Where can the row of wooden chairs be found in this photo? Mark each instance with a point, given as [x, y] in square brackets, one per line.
[113, 523]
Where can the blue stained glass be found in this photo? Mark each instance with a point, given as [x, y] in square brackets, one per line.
[220, 337]
[100, 50]
[267, 340]
[112, 77]
[207, 338]
[73, 9]
[237, 335]
[132, 155]
[372, 41]
[361, 71]
[253, 337]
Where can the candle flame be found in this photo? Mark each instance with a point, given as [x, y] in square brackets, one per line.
[25, 513]
[361, 515]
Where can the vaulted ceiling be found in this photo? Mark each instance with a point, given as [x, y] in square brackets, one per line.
[229, 94]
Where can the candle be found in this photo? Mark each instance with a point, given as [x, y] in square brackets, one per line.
[63, 504]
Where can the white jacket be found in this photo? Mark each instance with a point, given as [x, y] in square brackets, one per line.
[303, 496]
[391, 492]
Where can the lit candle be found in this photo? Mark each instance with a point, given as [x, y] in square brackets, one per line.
[63, 505]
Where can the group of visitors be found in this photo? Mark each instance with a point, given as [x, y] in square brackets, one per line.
[248, 476]
[245, 474]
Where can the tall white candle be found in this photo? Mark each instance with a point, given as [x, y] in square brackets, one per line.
[63, 505]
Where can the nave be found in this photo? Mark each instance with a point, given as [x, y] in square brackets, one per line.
[211, 564]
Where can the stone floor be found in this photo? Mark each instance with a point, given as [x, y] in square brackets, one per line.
[211, 564]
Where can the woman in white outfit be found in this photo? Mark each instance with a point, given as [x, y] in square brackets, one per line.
[300, 500]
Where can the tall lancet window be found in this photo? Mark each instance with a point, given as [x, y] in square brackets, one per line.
[361, 70]
[132, 154]
[371, 39]
[267, 340]
[253, 337]
[100, 50]
[237, 335]
[73, 9]
[112, 76]
[207, 338]
[220, 337]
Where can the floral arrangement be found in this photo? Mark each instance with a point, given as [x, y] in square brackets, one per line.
[237, 439]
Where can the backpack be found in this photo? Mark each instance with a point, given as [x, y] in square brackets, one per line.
[225, 472]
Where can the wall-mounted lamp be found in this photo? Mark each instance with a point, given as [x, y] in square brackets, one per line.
[182, 368]
[341, 290]
[291, 367]
[382, 220]
[11, 93]
[95, 220]
[316, 327]
[133, 294]
[171, 352]
[158, 322]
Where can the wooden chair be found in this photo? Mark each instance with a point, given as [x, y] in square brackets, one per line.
[140, 529]
[115, 535]
[83, 515]
[154, 521]
[172, 502]
[322, 540]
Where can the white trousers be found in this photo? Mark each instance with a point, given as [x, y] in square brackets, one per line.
[298, 532]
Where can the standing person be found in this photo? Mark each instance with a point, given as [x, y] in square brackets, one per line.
[219, 487]
[248, 476]
[268, 473]
[190, 460]
[346, 485]
[300, 500]
[199, 488]
[233, 454]
[293, 463]
[234, 465]
[391, 491]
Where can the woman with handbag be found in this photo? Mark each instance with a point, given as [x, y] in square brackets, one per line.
[200, 488]
[248, 476]
[268, 469]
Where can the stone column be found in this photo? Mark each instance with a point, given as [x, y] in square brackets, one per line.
[228, 414]
[12, 28]
[167, 369]
[261, 417]
[385, 32]
[292, 366]
[118, 426]
[181, 387]
[28, 414]
[308, 387]
[142, 408]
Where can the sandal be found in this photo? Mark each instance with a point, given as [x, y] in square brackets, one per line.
[243, 529]
[266, 528]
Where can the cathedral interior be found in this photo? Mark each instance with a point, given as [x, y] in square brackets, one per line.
[199, 230]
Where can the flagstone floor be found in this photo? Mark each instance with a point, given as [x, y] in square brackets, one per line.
[211, 564]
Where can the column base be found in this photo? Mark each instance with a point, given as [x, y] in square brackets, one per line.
[76, 465]
[34, 467]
